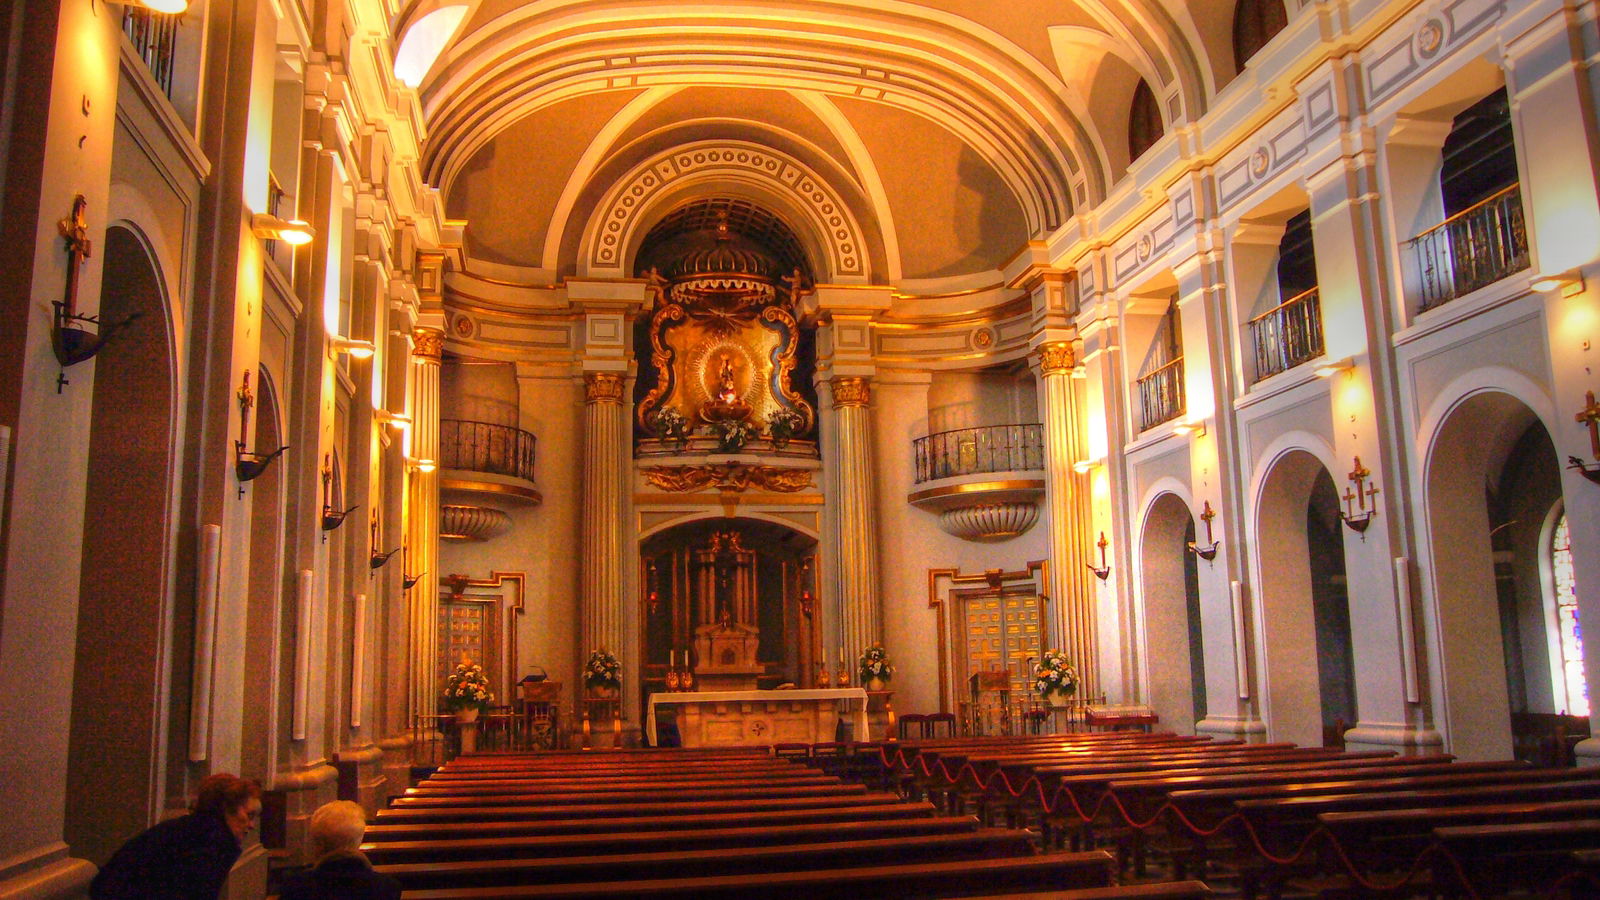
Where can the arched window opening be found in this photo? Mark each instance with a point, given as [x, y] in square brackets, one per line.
[1144, 121]
[1569, 632]
[1254, 23]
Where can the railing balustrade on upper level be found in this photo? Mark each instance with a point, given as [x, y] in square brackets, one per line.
[970, 451]
[1161, 395]
[155, 37]
[1288, 334]
[1472, 249]
[485, 447]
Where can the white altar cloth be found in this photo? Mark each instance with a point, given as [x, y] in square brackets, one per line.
[757, 707]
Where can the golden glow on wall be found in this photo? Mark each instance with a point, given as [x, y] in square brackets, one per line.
[424, 41]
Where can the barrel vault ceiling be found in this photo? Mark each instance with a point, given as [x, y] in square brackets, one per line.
[927, 141]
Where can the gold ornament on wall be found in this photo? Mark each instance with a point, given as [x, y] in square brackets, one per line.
[1056, 358]
[730, 476]
[850, 392]
[602, 387]
[429, 344]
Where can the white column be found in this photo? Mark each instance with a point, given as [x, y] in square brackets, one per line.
[422, 522]
[1072, 597]
[856, 570]
[605, 453]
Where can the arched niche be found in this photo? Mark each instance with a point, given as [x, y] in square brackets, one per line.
[1308, 687]
[114, 767]
[1169, 586]
[1488, 443]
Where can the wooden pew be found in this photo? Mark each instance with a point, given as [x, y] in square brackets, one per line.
[1167, 890]
[620, 810]
[783, 857]
[581, 785]
[1494, 859]
[961, 878]
[874, 808]
[436, 848]
[603, 796]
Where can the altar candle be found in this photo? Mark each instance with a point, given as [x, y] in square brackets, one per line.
[672, 657]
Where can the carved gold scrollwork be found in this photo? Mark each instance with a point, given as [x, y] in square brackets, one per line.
[730, 476]
[1056, 358]
[786, 363]
[850, 392]
[661, 360]
[602, 387]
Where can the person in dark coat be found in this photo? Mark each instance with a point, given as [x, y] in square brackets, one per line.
[189, 857]
[341, 871]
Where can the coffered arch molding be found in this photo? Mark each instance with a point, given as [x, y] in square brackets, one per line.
[1002, 101]
[817, 210]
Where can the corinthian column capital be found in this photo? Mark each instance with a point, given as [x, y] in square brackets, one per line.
[429, 344]
[602, 387]
[1056, 358]
[852, 391]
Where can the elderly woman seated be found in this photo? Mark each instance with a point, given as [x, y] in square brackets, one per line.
[341, 869]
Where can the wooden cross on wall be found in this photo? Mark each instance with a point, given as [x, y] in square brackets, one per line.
[1590, 416]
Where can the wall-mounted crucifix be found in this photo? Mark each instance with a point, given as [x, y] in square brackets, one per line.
[1356, 513]
[1589, 416]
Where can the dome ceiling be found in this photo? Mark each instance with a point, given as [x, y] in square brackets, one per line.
[914, 144]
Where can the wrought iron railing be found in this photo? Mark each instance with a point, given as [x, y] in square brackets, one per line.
[1288, 334]
[1161, 395]
[1472, 249]
[155, 37]
[485, 447]
[970, 451]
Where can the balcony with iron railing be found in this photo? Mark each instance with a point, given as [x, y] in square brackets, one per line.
[1161, 395]
[984, 483]
[1288, 334]
[973, 451]
[486, 458]
[1470, 250]
[155, 39]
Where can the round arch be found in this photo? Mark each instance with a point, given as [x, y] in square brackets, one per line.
[1299, 682]
[1169, 600]
[825, 224]
[1468, 446]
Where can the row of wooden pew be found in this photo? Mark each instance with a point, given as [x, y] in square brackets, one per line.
[706, 824]
[1276, 815]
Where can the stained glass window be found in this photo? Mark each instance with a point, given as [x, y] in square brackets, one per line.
[1570, 629]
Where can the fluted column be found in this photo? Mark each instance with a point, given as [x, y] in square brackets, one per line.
[857, 568]
[1071, 593]
[422, 521]
[605, 453]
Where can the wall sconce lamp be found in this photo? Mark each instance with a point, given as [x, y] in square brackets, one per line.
[421, 465]
[331, 518]
[1103, 571]
[399, 420]
[249, 466]
[1208, 551]
[407, 582]
[1085, 466]
[378, 560]
[1356, 514]
[1184, 429]
[1330, 369]
[72, 342]
[1569, 282]
[1589, 416]
[291, 231]
[356, 348]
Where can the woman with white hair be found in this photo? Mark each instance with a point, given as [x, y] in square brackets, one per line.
[341, 870]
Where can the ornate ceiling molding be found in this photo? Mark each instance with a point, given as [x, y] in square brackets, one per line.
[621, 220]
[1004, 102]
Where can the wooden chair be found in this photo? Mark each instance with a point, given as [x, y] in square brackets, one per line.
[914, 725]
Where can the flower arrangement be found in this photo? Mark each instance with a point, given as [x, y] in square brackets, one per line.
[670, 425]
[467, 687]
[602, 670]
[875, 663]
[732, 435]
[1055, 675]
[782, 423]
